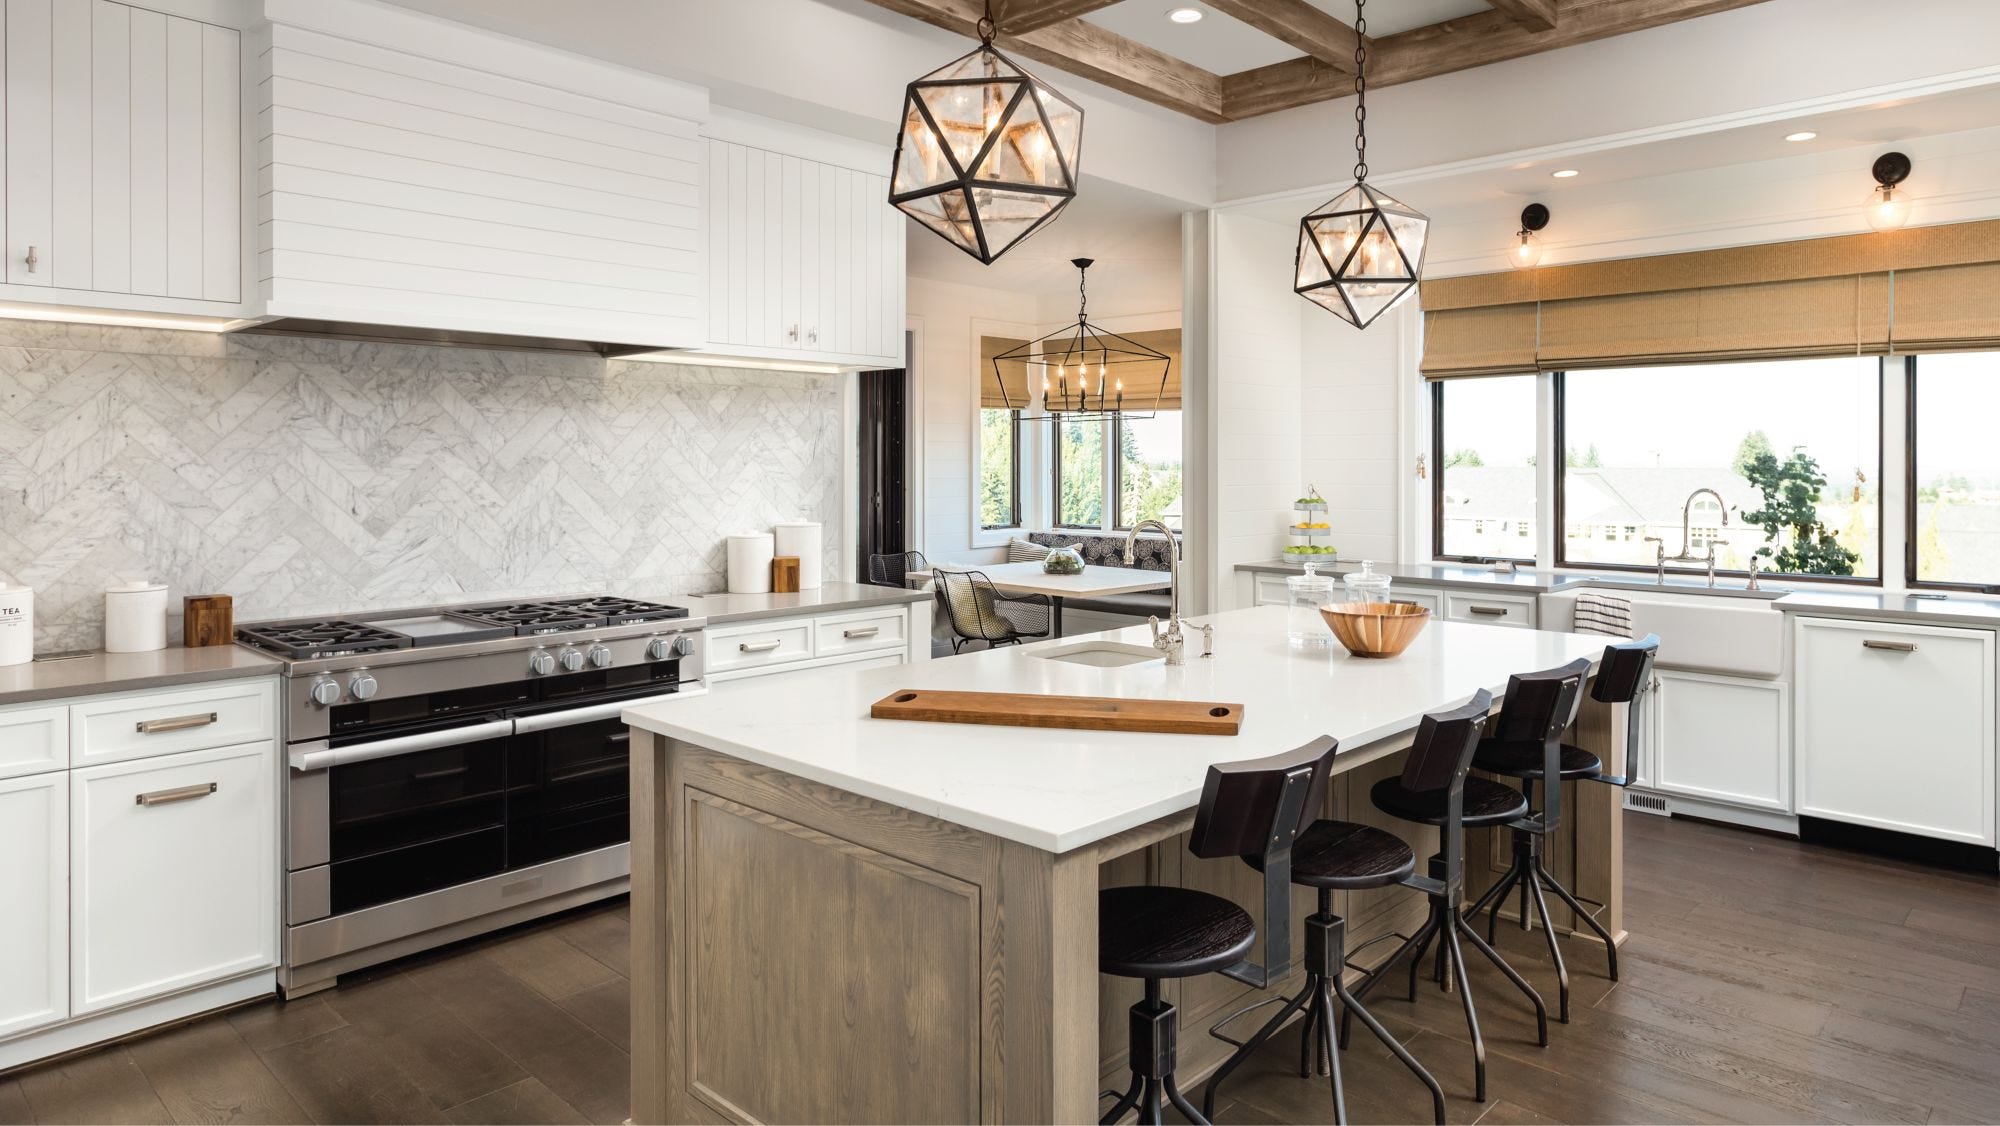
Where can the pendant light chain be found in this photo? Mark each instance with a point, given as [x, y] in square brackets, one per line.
[1360, 92]
[986, 27]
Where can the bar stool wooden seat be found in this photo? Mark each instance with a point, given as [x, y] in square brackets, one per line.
[1623, 675]
[1254, 808]
[1433, 790]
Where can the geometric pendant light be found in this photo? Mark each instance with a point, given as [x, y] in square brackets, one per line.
[1087, 373]
[1360, 253]
[987, 153]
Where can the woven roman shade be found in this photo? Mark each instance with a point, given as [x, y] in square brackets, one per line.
[1014, 373]
[1142, 379]
[1928, 289]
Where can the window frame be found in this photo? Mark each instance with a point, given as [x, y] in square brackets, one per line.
[1013, 477]
[1115, 451]
[1437, 490]
[1910, 533]
[1055, 480]
[1559, 391]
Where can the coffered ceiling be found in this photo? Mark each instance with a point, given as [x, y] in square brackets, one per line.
[1249, 57]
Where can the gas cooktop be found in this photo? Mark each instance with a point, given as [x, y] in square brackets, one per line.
[309, 639]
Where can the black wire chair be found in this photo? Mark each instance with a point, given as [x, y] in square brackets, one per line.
[894, 569]
[977, 611]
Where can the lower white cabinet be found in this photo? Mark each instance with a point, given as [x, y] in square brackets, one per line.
[855, 639]
[1721, 739]
[1488, 609]
[174, 873]
[1895, 726]
[34, 901]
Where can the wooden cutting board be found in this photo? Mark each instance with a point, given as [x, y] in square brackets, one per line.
[1088, 713]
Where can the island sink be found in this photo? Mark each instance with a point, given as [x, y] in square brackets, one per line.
[1101, 654]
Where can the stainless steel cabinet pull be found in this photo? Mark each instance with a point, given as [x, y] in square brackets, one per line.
[1489, 611]
[178, 793]
[759, 647]
[1892, 646]
[434, 775]
[864, 631]
[177, 723]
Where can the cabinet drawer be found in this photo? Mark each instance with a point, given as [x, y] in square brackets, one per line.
[859, 633]
[760, 645]
[33, 740]
[174, 869]
[1487, 609]
[34, 901]
[116, 728]
[1271, 589]
[1417, 596]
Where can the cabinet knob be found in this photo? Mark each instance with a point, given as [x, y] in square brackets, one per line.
[792, 332]
[33, 259]
[812, 336]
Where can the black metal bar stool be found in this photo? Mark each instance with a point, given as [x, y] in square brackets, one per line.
[1434, 789]
[1331, 856]
[1253, 808]
[1624, 673]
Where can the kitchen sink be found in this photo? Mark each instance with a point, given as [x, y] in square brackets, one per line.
[1102, 654]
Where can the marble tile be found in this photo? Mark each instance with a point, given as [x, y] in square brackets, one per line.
[305, 476]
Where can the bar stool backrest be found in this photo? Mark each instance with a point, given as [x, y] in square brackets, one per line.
[1257, 807]
[1442, 753]
[1541, 705]
[1626, 670]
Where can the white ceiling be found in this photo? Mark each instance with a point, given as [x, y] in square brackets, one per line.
[1225, 45]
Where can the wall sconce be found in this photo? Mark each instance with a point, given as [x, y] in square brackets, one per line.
[1526, 253]
[1888, 205]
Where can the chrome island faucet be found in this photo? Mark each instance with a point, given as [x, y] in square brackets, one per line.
[1661, 558]
[1170, 642]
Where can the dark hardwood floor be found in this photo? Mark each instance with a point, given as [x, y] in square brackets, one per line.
[1765, 981]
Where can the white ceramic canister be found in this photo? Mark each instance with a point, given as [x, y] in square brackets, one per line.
[807, 540]
[750, 562]
[17, 624]
[135, 617]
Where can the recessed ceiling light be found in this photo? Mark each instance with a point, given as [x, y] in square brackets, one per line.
[1801, 135]
[1563, 173]
[1185, 15]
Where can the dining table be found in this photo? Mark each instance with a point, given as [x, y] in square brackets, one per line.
[1095, 581]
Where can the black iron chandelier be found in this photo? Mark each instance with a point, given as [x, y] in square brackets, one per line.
[1086, 373]
[1361, 252]
[987, 152]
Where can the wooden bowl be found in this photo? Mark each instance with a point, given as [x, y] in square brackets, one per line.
[1375, 629]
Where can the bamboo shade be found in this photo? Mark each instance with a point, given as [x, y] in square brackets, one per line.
[1948, 308]
[1819, 317]
[1496, 340]
[1014, 373]
[1142, 378]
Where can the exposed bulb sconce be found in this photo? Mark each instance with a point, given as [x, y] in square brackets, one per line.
[1889, 205]
[1526, 253]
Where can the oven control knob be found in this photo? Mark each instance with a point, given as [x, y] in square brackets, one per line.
[683, 646]
[324, 692]
[600, 656]
[541, 662]
[570, 659]
[659, 649]
[362, 686]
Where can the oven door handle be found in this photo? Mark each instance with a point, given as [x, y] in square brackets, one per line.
[591, 713]
[308, 757]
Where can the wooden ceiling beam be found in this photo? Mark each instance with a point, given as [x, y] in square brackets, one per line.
[1300, 25]
[1088, 51]
[1018, 17]
[1535, 15]
[1458, 44]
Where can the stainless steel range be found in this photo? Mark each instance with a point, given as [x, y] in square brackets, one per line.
[456, 769]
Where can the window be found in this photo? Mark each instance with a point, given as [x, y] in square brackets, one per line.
[1954, 483]
[1483, 445]
[1149, 469]
[999, 468]
[1639, 442]
[1079, 475]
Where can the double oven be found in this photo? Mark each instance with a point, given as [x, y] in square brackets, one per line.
[453, 794]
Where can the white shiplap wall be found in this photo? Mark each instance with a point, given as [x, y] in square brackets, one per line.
[1257, 392]
[1352, 398]
[467, 181]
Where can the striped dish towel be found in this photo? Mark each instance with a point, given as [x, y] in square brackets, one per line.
[1603, 613]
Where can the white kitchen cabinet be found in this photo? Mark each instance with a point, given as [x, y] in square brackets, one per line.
[1894, 726]
[34, 738]
[1490, 609]
[112, 728]
[858, 639]
[174, 876]
[124, 169]
[1721, 739]
[805, 258]
[34, 901]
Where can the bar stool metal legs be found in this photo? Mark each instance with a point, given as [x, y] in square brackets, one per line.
[1155, 1032]
[1325, 960]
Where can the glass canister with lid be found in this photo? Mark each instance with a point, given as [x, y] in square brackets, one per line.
[1305, 595]
[1366, 585]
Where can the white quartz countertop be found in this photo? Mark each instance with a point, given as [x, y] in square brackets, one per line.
[1059, 790]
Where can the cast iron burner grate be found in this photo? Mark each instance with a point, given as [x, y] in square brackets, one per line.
[306, 641]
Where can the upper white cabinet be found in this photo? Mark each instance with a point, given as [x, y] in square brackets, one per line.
[124, 173]
[1895, 726]
[421, 173]
[805, 255]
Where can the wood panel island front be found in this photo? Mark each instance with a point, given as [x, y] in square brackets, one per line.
[844, 919]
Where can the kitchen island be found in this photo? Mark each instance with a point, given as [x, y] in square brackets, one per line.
[838, 918]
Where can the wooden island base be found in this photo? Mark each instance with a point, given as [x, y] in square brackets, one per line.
[802, 954]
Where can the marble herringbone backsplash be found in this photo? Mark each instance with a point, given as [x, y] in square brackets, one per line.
[306, 476]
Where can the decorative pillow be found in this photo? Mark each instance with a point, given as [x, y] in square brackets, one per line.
[1025, 551]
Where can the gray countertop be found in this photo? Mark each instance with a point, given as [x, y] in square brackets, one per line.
[721, 609]
[1957, 610]
[1459, 576]
[127, 672]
